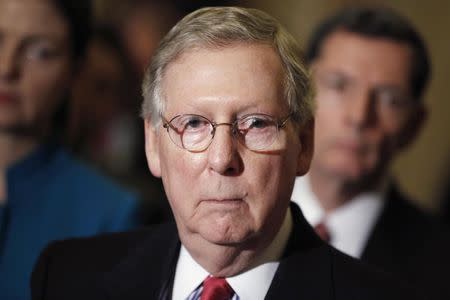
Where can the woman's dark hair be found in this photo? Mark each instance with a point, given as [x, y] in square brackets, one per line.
[78, 14]
[377, 22]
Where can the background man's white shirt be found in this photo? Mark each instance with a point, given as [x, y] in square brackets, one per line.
[350, 225]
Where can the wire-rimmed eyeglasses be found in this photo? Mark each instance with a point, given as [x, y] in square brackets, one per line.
[195, 132]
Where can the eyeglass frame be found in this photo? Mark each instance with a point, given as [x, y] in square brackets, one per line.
[280, 123]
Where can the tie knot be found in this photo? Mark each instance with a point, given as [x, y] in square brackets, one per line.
[216, 288]
[322, 231]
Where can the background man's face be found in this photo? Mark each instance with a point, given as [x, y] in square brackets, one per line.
[363, 104]
[226, 194]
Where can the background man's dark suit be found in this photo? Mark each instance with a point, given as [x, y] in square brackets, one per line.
[407, 242]
[105, 268]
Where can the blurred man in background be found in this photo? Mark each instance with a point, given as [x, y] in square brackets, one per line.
[371, 68]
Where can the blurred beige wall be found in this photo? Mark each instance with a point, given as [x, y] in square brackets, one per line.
[423, 169]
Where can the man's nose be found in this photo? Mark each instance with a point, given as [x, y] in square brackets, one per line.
[223, 156]
[361, 110]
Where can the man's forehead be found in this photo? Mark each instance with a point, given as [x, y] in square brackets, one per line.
[350, 40]
[238, 69]
[367, 58]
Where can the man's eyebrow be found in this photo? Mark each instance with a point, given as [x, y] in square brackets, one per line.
[324, 74]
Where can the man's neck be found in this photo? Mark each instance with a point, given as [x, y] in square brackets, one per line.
[333, 191]
[12, 149]
[221, 260]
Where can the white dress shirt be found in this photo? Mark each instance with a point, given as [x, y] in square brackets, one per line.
[250, 285]
[350, 225]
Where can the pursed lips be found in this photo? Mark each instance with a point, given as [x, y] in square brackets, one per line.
[222, 200]
[232, 199]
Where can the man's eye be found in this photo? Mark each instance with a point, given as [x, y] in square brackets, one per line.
[259, 123]
[193, 123]
[387, 99]
[390, 99]
[333, 82]
[337, 84]
[255, 123]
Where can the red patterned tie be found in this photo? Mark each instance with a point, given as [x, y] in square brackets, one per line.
[322, 231]
[216, 288]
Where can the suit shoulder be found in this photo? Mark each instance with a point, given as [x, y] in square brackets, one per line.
[106, 247]
[353, 279]
[402, 210]
[405, 221]
[77, 264]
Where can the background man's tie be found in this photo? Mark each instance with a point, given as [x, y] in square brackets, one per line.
[322, 231]
[216, 288]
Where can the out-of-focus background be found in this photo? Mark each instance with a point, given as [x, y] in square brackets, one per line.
[107, 131]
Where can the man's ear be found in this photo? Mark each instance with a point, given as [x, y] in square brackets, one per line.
[152, 148]
[306, 136]
[413, 126]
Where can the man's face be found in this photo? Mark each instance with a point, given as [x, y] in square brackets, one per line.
[364, 106]
[227, 194]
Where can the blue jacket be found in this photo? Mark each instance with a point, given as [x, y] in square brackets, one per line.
[52, 196]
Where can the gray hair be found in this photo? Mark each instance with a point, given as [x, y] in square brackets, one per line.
[216, 27]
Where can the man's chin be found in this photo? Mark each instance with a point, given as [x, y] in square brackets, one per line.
[351, 172]
[357, 179]
[224, 233]
[224, 237]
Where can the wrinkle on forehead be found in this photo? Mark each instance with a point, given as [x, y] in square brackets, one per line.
[189, 77]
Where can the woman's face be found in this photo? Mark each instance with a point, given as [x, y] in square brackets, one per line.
[35, 64]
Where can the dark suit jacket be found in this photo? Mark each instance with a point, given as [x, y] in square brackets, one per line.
[411, 245]
[140, 265]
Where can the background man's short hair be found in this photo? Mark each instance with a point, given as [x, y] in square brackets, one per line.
[216, 27]
[377, 22]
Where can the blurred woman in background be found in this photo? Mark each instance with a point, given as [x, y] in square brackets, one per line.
[45, 194]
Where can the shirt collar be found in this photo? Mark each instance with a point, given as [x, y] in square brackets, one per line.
[188, 275]
[250, 285]
[350, 224]
[307, 201]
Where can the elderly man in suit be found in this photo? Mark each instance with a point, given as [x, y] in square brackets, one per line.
[370, 68]
[228, 126]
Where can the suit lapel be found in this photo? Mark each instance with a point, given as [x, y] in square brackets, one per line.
[392, 234]
[305, 271]
[147, 273]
